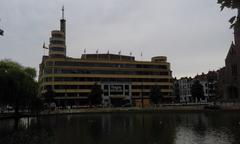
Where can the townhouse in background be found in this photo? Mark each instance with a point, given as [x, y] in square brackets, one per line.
[209, 82]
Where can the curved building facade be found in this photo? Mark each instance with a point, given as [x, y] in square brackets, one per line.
[123, 79]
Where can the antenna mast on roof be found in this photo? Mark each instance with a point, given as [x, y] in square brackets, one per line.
[62, 12]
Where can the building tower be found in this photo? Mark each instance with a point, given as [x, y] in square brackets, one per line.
[63, 23]
[57, 46]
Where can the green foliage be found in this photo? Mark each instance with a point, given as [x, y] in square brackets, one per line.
[36, 105]
[233, 4]
[177, 92]
[31, 72]
[197, 90]
[229, 4]
[156, 94]
[49, 95]
[17, 87]
[28, 135]
[95, 97]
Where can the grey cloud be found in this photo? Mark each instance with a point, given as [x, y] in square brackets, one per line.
[193, 34]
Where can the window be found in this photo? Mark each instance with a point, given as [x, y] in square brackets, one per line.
[48, 71]
[105, 93]
[105, 87]
[234, 70]
[57, 42]
[57, 49]
[58, 35]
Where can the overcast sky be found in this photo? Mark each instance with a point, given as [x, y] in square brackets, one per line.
[193, 34]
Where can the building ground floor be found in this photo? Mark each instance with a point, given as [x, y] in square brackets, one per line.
[115, 102]
[114, 94]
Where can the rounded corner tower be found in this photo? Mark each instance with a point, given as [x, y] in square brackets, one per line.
[57, 46]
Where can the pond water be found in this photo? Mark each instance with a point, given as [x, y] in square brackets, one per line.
[125, 128]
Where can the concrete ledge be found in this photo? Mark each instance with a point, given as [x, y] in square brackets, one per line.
[162, 108]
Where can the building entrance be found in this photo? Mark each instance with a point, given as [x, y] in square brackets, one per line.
[117, 94]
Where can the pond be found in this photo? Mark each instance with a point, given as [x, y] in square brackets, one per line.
[125, 128]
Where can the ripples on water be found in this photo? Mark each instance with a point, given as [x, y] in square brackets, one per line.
[153, 128]
[187, 136]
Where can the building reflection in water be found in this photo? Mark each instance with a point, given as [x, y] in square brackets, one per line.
[148, 128]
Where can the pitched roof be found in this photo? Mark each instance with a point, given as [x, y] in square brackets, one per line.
[232, 51]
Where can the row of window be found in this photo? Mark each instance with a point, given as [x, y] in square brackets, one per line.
[126, 93]
[55, 35]
[68, 71]
[149, 86]
[106, 87]
[57, 49]
[88, 64]
[57, 55]
[76, 79]
[85, 95]
[188, 92]
[205, 84]
[57, 42]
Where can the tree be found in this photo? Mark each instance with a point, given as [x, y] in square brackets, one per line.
[49, 95]
[156, 94]
[36, 105]
[17, 86]
[1, 32]
[176, 92]
[197, 90]
[233, 4]
[95, 97]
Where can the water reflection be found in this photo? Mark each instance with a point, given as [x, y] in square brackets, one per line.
[154, 128]
[24, 131]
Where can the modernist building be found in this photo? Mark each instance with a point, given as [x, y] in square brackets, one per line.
[123, 79]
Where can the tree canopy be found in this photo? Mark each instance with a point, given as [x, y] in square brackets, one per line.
[233, 4]
[49, 95]
[95, 97]
[156, 94]
[18, 87]
[197, 90]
